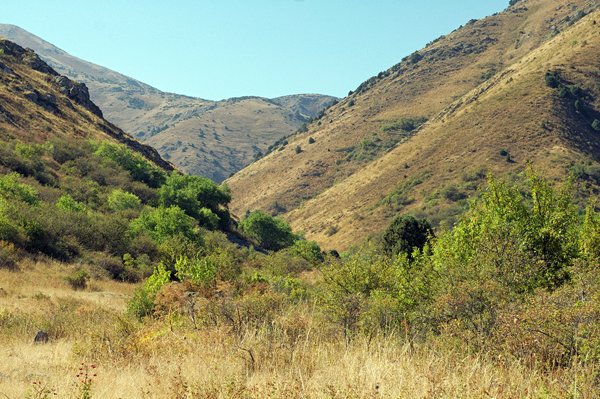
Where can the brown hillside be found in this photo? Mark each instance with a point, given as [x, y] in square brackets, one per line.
[203, 137]
[36, 103]
[447, 82]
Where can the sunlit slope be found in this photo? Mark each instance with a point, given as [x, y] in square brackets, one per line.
[209, 138]
[36, 104]
[512, 121]
[357, 130]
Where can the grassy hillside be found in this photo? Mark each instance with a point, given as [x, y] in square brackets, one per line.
[369, 159]
[138, 283]
[38, 104]
[207, 138]
[505, 305]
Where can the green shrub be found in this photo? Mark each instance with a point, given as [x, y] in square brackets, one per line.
[352, 283]
[596, 125]
[552, 79]
[9, 228]
[271, 233]
[11, 188]
[199, 271]
[139, 167]
[193, 193]
[453, 194]
[307, 250]
[522, 245]
[408, 124]
[142, 303]
[8, 258]
[292, 287]
[208, 219]
[119, 200]
[162, 223]
[405, 234]
[134, 270]
[67, 203]
[78, 279]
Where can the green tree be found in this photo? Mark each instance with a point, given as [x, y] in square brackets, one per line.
[119, 200]
[271, 233]
[162, 223]
[523, 241]
[193, 193]
[405, 234]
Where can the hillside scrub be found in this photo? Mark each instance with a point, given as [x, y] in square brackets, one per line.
[512, 287]
[510, 254]
[73, 200]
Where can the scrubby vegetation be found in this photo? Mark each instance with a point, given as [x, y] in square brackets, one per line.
[512, 286]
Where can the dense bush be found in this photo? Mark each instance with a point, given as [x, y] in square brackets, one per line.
[356, 286]
[68, 204]
[198, 271]
[162, 223]
[142, 303]
[120, 200]
[78, 279]
[8, 257]
[552, 79]
[196, 195]
[139, 167]
[12, 189]
[408, 124]
[271, 233]
[405, 234]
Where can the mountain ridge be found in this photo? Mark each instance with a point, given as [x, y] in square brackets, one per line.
[45, 93]
[175, 124]
[316, 188]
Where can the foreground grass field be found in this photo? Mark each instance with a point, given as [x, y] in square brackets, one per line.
[96, 351]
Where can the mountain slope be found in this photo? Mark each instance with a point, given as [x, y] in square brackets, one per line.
[346, 187]
[210, 138]
[39, 104]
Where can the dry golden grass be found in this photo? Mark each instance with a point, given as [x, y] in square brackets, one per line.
[470, 121]
[296, 356]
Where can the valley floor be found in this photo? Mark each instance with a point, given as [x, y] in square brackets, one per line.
[96, 351]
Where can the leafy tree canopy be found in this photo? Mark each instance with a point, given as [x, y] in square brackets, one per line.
[406, 233]
[271, 233]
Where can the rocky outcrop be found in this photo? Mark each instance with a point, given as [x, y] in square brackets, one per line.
[46, 101]
[78, 92]
[50, 96]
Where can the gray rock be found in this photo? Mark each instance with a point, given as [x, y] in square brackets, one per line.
[41, 337]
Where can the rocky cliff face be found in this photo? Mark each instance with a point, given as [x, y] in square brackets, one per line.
[75, 91]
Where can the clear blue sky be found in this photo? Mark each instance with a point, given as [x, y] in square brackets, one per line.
[224, 48]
